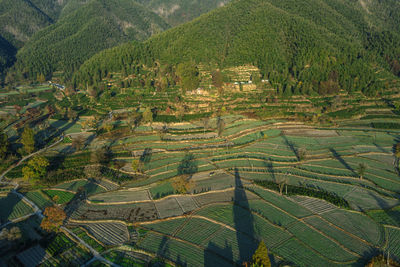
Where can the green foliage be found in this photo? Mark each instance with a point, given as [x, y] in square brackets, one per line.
[361, 169]
[61, 197]
[189, 75]
[81, 33]
[260, 257]
[4, 144]
[307, 191]
[148, 115]
[324, 47]
[186, 11]
[35, 169]
[20, 19]
[27, 140]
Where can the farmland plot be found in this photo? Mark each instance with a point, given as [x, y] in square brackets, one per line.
[187, 203]
[271, 213]
[63, 196]
[242, 220]
[362, 199]
[197, 230]
[166, 227]
[33, 256]
[183, 254]
[393, 236]
[39, 199]
[107, 184]
[212, 197]
[224, 196]
[389, 217]
[320, 243]
[79, 232]
[316, 205]
[108, 233]
[90, 187]
[347, 239]
[168, 207]
[265, 230]
[72, 256]
[12, 207]
[233, 245]
[357, 224]
[127, 212]
[121, 196]
[294, 251]
[125, 258]
[282, 202]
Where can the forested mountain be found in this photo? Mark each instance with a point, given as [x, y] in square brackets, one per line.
[300, 46]
[79, 34]
[179, 11]
[20, 19]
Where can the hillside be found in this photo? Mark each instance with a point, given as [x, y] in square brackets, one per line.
[176, 12]
[300, 46]
[89, 29]
[82, 28]
[20, 19]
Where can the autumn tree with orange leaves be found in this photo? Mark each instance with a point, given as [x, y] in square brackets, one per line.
[55, 217]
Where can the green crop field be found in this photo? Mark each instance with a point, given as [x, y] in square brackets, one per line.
[63, 197]
[40, 199]
[204, 229]
[12, 207]
[294, 185]
[320, 243]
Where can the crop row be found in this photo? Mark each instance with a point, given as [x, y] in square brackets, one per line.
[108, 233]
[61, 197]
[320, 243]
[39, 199]
[12, 207]
[87, 239]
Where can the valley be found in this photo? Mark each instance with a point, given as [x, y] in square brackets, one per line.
[199, 133]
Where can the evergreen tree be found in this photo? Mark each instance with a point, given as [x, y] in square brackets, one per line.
[260, 257]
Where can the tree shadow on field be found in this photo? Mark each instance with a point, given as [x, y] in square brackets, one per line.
[341, 160]
[245, 236]
[243, 223]
[271, 170]
[214, 255]
[146, 156]
[7, 205]
[291, 146]
[45, 136]
[188, 165]
[380, 148]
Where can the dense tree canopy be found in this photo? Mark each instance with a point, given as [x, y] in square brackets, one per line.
[300, 46]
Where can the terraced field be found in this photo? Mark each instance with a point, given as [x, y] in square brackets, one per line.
[295, 187]
[108, 233]
[12, 207]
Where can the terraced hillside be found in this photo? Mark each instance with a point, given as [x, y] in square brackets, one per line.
[317, 191]
[296, 187]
